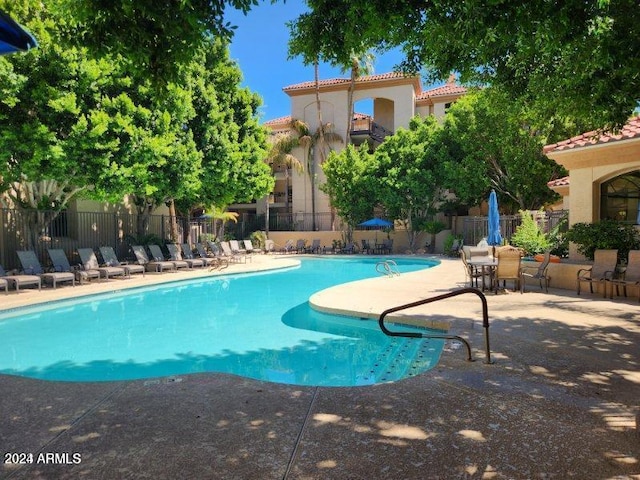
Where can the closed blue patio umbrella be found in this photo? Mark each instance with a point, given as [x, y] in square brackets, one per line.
[14, 38]
[494, 237]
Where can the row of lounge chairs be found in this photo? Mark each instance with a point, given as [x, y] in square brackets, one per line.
[386, 247]
[149, 259]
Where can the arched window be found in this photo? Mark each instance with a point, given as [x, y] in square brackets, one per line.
[620, 198]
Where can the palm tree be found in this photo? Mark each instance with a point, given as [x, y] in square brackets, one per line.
[281, 146]
[220, 213]
[361, 64]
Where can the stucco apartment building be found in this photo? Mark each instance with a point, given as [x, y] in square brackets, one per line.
[393, 100]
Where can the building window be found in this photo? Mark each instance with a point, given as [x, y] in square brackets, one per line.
[620, 198]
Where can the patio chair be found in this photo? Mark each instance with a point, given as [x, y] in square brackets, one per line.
[180, 258]
[602, 271]
[61, 263]
[508, 268]
[366, 246]
[301, 245]
[158, 266]
[111, 260]
[90, 262]
[18, 280]
[31, 266]
[386, 247]
[630, 276]
[472, 273]
[538, 273]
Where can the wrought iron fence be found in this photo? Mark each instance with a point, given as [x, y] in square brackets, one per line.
[475, 229]
[41, 230]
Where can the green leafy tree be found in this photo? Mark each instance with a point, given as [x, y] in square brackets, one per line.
[408, 176]
[226, 131]
[571, 59]
[349, 185]
[489, 143]
[155, 37]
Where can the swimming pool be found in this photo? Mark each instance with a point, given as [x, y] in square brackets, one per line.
[253, 325]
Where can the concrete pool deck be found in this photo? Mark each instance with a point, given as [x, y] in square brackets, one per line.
[559, 401]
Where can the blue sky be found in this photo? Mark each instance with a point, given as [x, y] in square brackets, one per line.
[260, 48]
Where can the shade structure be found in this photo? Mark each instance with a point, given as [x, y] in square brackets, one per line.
[376, 223]
[494, 237]
[14, 38]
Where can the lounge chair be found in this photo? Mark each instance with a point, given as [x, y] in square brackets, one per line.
[301, 245]
[18, 280]
[31, 266]
[349, 248]
[631, 275]
[538, 273]
[231, 255]
[217, 253]
[176, 256]
[315, 246]
[235, 248]
[159, 265]
[248, 246]
[269, 245]
[602, 271]
[110, 259]
[508, 268]
[212, 261]
[158, 256]
[187, 256]
[90, 262]
[289, 247]
[61, 263]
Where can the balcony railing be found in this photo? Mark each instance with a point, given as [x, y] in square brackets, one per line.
[367, 127]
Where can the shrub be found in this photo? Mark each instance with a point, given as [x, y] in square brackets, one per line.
[606, 234]
[259, 237]
[449, 242]
[528, 236]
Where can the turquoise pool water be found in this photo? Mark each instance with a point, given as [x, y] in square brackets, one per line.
[253, 325]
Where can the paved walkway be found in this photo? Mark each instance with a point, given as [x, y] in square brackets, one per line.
[560, 401]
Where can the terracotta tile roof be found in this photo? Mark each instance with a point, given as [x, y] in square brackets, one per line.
[558, 182]
[597, 137]
[340, 81]
[278, 121]
[442, 91]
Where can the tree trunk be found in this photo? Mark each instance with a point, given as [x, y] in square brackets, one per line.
[173, 221]
[320, 145]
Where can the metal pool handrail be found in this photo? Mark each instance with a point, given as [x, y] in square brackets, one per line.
[455, 293]
[389, 268]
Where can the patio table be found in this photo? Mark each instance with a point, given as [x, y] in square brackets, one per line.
[488, 266]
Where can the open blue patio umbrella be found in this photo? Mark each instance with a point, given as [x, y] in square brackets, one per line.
[14, 38]
[494, 237]
[376, 222]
